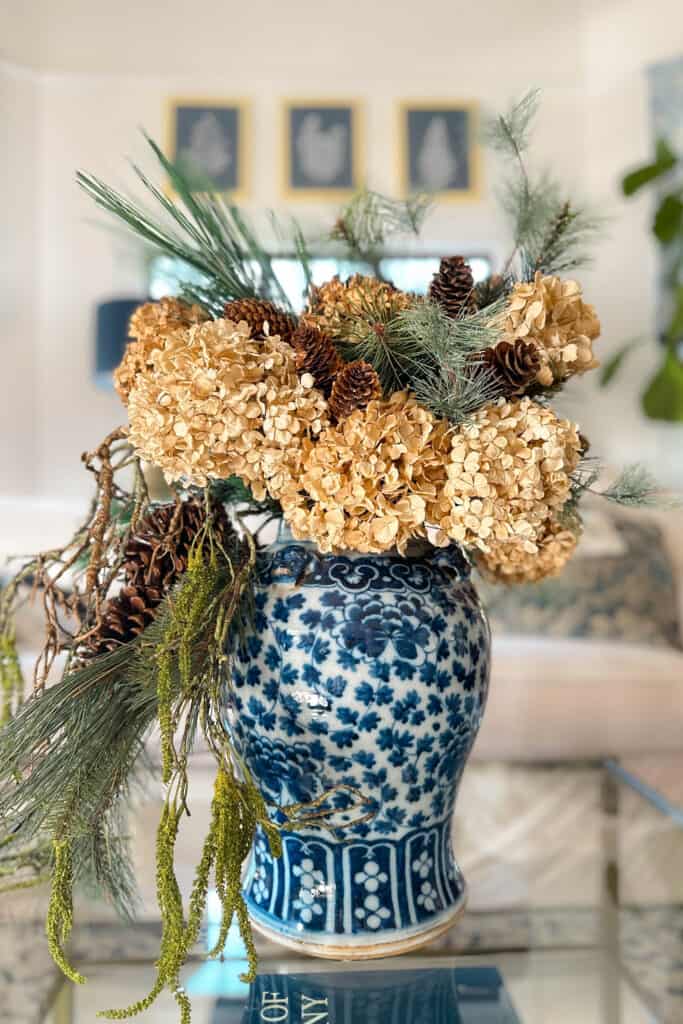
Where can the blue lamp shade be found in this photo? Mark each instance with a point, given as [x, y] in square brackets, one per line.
[111, 337]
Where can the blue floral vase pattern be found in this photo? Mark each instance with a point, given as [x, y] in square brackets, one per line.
[360, 688]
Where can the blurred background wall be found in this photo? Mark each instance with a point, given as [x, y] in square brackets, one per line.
[78, 80]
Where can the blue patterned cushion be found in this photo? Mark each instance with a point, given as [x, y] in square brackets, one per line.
[630, 597]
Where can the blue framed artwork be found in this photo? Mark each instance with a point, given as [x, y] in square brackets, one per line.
[439, 149]
[208, 137]
[321, 149]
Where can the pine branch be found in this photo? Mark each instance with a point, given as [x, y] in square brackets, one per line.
[53, 775]
[430, 335]
[423, 350]
[550, 233]
[206, 233]
[457, 395]
[634, 487]
[370, 218]
[510, 133]
[562, 243]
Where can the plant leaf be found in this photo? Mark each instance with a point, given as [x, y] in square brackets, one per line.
[675, 331]
[668, 219]
[665, 160]
[611, 368]
[663, 399]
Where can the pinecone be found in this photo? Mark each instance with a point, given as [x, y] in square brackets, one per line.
[256, 312]
[125, 617]
[355, 385]
[515, 363]
[154, 557]
[316, 354]
[452, 287]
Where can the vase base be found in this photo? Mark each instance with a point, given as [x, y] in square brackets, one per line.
[364, 946]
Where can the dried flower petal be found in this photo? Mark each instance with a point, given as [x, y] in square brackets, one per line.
[365, 483]
[551, 313]
[148, 326]
[213, 402]
[509, 472]
[515, 563]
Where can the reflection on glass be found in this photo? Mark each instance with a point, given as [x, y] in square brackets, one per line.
[220, 978]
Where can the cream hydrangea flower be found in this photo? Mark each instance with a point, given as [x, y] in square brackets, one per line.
[213, 402]
[365, 484]
[510, 562]
[149, 324]
[509, 470]
[551, 313]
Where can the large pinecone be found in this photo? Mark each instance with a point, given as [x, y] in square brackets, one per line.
[316, 354]
[257, 312]
[452, 287]
[515, 363]
[356, 384]
[154, 558]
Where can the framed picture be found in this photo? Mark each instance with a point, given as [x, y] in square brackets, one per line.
[321, 145]
[439, 149]
[209, 136]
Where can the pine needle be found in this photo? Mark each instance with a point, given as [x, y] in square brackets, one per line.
[437, 358]
[634, 487]
[551, 233]
[370, 218]
[510, 133]
[208, 234]
[457, 396]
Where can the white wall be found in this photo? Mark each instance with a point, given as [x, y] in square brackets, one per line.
[592, 123]
[620, 39]
[19, 275]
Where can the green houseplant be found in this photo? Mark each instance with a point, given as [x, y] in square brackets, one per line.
[663, 398]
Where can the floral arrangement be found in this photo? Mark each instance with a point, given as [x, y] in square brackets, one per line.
[372, 420]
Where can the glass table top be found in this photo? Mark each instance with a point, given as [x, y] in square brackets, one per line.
[615, 958]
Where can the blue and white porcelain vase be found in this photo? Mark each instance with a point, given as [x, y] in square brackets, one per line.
[359, 688]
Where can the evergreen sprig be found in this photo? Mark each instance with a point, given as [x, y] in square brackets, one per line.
[438, 357]
[634, 487]
[370, 218]
[551, 234]
[456, 396]
[423, 350]
[208, 233]
[428, 332]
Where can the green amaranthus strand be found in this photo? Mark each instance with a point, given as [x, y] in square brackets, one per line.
[11, 679]
[175, 651]
[60, 915]
[236, 811]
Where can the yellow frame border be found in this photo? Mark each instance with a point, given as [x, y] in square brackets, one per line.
[472, 109]
[357, 152]
[243, 108]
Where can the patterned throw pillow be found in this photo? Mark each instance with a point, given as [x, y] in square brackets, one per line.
[630, 597]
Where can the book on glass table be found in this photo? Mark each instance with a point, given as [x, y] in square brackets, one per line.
[459, 995]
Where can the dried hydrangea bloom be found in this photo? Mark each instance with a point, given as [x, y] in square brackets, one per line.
[551, 312]
[336, 303]
[213, 402]
[509, 562]
[149, 325]
[508, 472]
[365, 484]
[156, 318]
